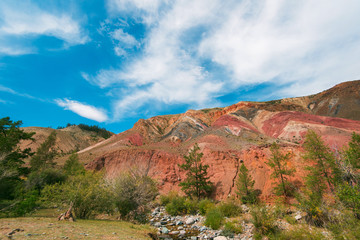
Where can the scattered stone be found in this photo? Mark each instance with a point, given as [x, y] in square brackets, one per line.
[245, 208]
[190, 221]
[281, 224]
[179, 223]
[193, 238]
[203, 228]
[298, 217]
[9, 235]
[157, 224]
[174, 232]
[180, 228]
[164, 230]
[163, 222]
[220, 238]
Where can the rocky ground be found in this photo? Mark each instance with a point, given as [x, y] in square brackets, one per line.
[191, 227]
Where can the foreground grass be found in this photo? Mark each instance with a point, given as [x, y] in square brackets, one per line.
[50, 228]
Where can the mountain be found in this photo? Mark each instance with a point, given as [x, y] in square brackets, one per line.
[240, 133]
[67, 139]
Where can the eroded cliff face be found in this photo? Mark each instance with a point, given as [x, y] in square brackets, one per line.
[241, 133]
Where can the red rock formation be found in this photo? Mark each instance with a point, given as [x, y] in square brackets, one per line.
[227, 137]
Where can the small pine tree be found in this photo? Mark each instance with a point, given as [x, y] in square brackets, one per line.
[245, 186]
[72, 165]
[44, 155]
[197, 182]
[278, 162]
[320, 174]
[324, 159]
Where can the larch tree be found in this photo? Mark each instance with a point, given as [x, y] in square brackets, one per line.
[245, 186]
[197, 182]
[278, 162]
[324, 160]
[44, 156]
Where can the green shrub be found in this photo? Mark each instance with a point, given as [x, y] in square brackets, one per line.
[290, 219]
[263, 220]
[231, 228]
[229, 209]
[205, 205]
[300, 233]
[165, 199]
[191, 206]
[39, 179]
[88, 193]
[132, 192]
[344, 225]
[316, 213]
[26, 204]
[350, 197]
[214, 218]
[176, 206]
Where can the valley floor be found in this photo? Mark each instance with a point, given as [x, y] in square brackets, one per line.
[50, 228]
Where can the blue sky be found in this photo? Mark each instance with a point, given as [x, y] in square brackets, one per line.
[111, 62]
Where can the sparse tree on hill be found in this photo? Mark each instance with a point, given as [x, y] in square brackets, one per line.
[45, 154]
[245, 186]
[197, 182]
[281, 171]
[72, 165]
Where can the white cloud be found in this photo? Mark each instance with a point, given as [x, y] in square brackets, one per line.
[20, 19]
[299, 43]
[123, 41]
[302, 46]
[125, 38]
[14, 51]
[146, 11]
[83, 110]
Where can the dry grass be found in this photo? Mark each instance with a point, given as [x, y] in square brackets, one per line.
[50, 228]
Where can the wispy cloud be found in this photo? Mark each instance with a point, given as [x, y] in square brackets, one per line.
[24, 19]
[146, 11]
[123, 41]
[11, 91]
[84, 110]
[3, 101]
[195, 51]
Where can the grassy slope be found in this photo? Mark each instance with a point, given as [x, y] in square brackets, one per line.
[50, 228]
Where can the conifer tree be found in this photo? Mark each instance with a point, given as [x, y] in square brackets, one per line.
[245, 186]
[197, 182]
[352, 153]
[44, 155]
[278, 162]
[11, 156]
[72, 165]
[324, 159]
